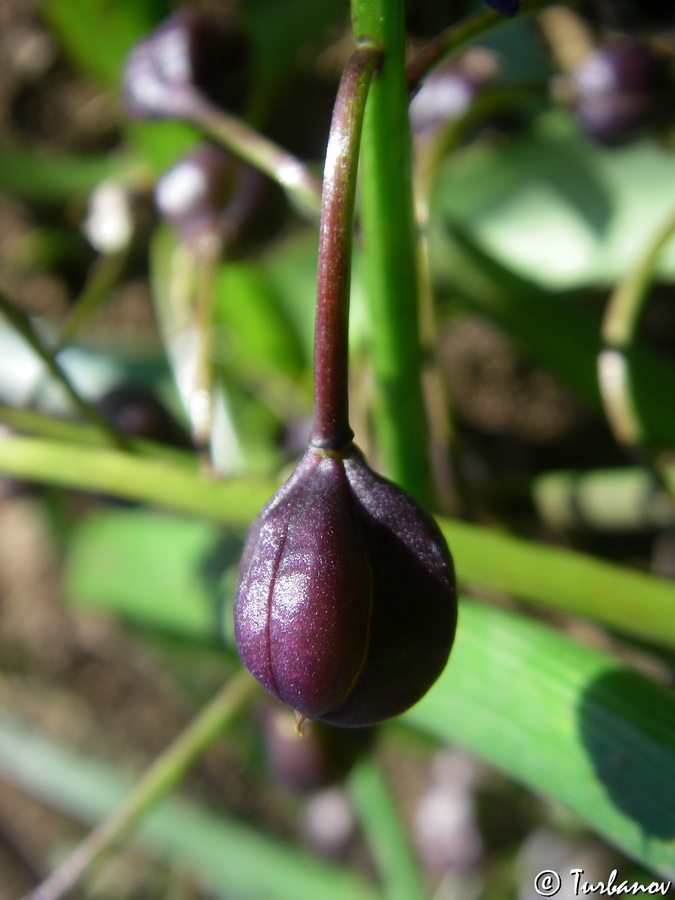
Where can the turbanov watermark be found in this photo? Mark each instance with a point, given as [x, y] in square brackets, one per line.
[549, 882]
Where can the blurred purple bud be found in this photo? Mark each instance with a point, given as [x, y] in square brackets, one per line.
[136, 411]
[194, 191]
[188, 57]
[617, 90]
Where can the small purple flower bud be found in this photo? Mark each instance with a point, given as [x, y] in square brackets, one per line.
[505, 7]
[346, 604]
[617, 90]
[188, 57]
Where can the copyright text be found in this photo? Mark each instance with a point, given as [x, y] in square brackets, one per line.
[549, 882]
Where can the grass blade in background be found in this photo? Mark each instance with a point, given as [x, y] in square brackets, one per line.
[564, 720]
[231, 858]
[624, 598]
[157, 571]
[97, 34]
[54, 178]
[387, 839]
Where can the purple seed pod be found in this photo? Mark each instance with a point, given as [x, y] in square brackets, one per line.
[617, 89]
[346, 604]
[188, 58]
[505, 7]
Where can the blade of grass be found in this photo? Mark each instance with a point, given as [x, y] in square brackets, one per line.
[131, 477]
[28, 421]
[97, 35]
[23, 325]
[157, 571]
[231, 858]
[623, 598]
[54, 178]
[565, 720]
[154, 784]
[383, 828]
[561, 718]
[626, 599]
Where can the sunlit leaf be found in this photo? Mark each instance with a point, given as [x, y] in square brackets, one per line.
[565, 720]
[557, 208]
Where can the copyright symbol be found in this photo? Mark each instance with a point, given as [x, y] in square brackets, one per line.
[547, 883]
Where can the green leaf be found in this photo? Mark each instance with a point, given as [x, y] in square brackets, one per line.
[53, 178]
[254, 328]
[160, 144]
[227, 856]
[98, 34]
[382, 824]
[565, 720]
[623, 598]
[558, 208]
[290, 268]
[155, 570]
[279, 30]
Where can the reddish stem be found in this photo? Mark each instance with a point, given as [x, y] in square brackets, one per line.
[331, 429]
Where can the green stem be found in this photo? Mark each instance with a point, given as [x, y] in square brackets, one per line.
[627, 302]
[331, 348]
[158, 780]
[130, 476]
[41, 425]
[389, 237]
[106, 272]
[384, 832]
